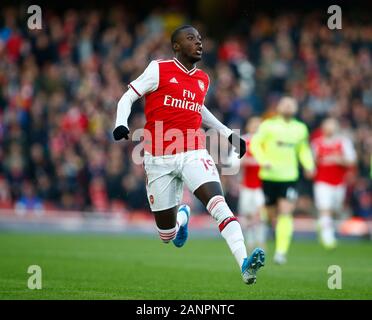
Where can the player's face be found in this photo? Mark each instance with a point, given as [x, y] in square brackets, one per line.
[330, 127]
[287, 107]
[190, 45]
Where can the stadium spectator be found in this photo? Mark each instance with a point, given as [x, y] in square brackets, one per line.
[29, 201]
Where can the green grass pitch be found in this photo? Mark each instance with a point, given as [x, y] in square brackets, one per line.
[122, 267]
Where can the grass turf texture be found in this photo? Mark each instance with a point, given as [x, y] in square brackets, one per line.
[118, 267]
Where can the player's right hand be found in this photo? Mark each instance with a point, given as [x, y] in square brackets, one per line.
[239, 144]
[121, 132]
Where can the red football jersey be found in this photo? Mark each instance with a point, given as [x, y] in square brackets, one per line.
[250, 168]
[327, 170]
[174, 97]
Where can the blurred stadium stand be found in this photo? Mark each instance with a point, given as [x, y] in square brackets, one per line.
[59, 87]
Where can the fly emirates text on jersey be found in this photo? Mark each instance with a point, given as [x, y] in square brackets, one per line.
[184, 103]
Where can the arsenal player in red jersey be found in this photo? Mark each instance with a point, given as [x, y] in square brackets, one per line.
[334, 154]
[175, 150]
[251, 197]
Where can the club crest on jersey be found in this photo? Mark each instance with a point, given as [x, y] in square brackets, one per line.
[201, 85]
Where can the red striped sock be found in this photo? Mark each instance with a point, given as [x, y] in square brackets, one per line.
[229, 227]
[167, 235]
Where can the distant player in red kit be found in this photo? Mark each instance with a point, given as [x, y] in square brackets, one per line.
[174, 146]
[333, 155]
[251, 198]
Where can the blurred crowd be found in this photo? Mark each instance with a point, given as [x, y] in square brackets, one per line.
[59, 89]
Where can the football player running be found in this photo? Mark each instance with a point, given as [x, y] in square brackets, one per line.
[334, 155]
[280, 144]
[251, 198]
[175, 150]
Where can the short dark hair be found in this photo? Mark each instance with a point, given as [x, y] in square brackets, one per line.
[176, 32]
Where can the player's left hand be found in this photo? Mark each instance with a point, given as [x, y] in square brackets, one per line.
[238, 143]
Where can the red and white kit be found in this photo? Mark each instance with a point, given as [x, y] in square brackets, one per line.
[329, 184]
[173, 141]
[251, 197]
[174, 100]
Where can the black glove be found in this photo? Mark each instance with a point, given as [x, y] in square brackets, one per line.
[239, 144]
[120, 132]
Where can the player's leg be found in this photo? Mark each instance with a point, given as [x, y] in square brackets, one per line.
[323, 203]
[248, 225]
[260, 218]
[270, 203]
[250, 208]
[211, 195]
[271, 214]
[340, 194]
[284, 225]
[169, 222]
[325, 199]
[201, 176]
[164, 192]
[166, 223]
[246, 214]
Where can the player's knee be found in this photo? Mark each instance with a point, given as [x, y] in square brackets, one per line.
[286, 206]
[219, 209]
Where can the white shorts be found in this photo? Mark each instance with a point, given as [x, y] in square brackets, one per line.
[329, 197]
[166, 175]
[250, 201]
